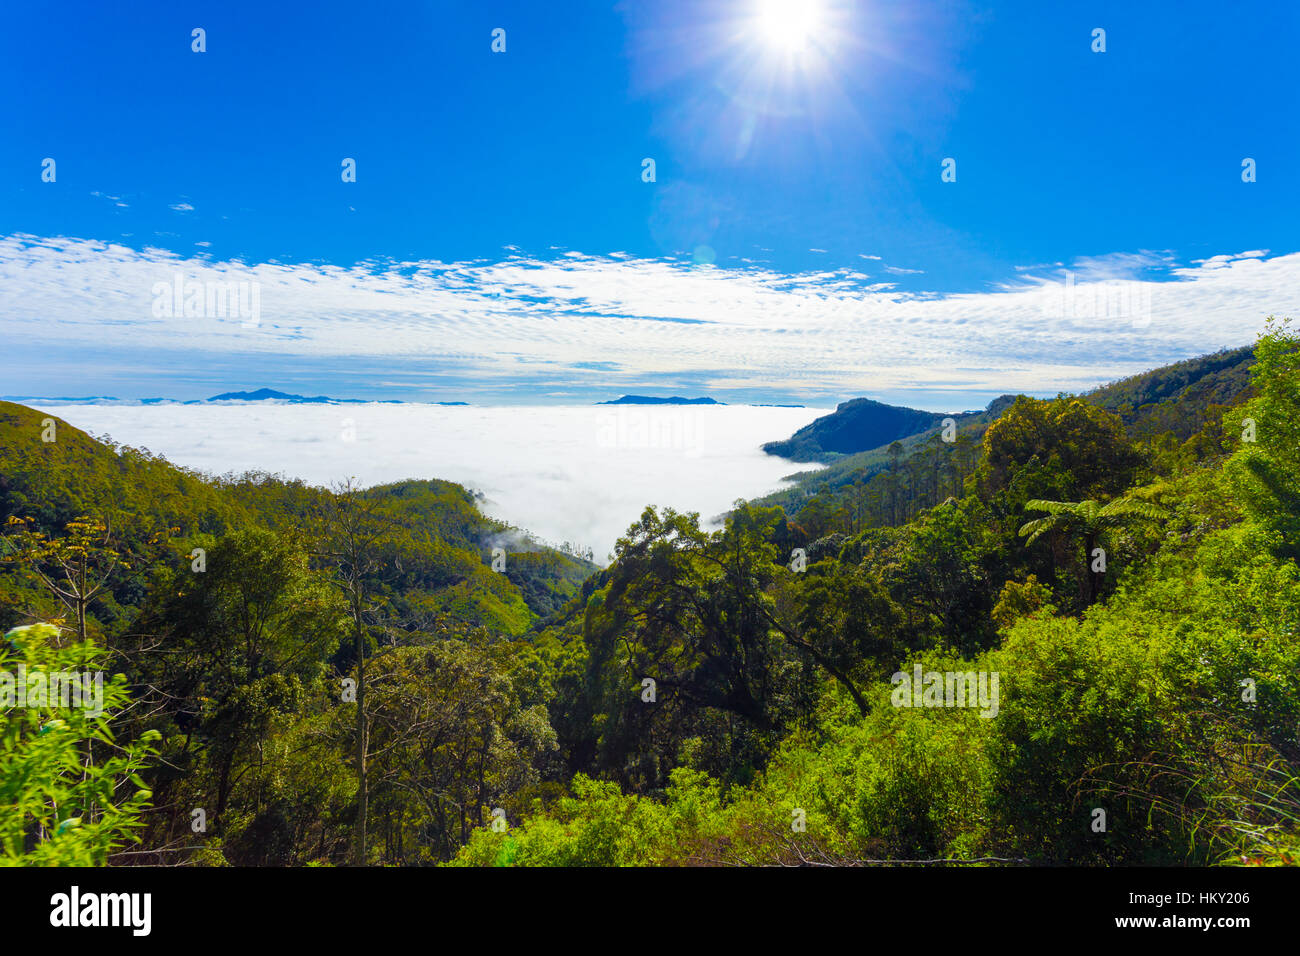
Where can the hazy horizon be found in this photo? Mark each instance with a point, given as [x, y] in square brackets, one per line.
[344, 402]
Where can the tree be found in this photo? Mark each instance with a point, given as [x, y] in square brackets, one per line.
[893, 483]
[689, 610]
[937, 569]
[243, 639]
[1089, 520]
[353, 525]
[1020, 599]
[844, 620]
[1061, 449]
[450, 742]
[857, 507]
[75, 568]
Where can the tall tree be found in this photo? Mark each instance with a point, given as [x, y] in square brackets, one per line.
[239, 641]
[353, 525]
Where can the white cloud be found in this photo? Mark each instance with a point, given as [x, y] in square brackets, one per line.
[1218, 262]
[1121, 265]
[828, 331]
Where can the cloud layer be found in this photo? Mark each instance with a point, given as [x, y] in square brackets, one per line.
[620, 321]
[566, 474]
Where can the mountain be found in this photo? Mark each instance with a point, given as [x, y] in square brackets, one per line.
[844, 470]
[271, 395]
[1174, 398]
[675, 400]
[267, 395]
[860, 425]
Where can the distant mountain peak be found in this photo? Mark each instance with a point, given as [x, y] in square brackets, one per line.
[272, 395]
[646, 400]
[266, 395]
[855, 425]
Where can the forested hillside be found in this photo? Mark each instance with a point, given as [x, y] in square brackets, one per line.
[868, 486]
[340, 677]
[1178, 398]
[857, 425]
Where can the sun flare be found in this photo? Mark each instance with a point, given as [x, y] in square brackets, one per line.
[789, 25]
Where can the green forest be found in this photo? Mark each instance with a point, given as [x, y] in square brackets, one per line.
[307, 676]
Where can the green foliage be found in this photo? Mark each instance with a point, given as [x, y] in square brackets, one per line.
[1265, 471]
[1171, 704]
[1086, 524]
[70, 794]
[687, 609]
[597, 825]
[1063, 449]
[1172, 412]
[1020, 599]
[1090, 517]
[939, 570]
[239, 656]
[449, 731]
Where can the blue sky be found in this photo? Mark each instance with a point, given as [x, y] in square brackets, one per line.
[500, 244]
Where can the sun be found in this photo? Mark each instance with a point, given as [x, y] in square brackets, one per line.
[789, 25]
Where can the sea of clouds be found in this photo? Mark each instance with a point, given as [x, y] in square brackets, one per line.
[575, 474]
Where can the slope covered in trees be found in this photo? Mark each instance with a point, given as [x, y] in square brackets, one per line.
[1173, 408]
[857, 425]
[151, 507]
[1178, 398]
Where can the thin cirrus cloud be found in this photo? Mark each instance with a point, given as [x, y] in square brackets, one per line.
[115, 200]
[829, 332]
